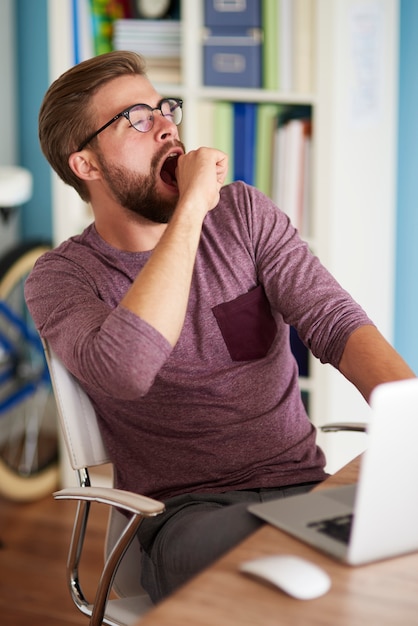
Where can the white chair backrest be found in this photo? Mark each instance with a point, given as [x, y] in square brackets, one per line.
[77, 416]
[86, 449]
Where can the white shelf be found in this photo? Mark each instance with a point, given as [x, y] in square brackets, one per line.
[353, 177]
[239, 94]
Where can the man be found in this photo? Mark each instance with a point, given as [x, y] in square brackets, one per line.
[173, 310]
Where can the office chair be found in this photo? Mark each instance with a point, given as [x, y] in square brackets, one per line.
[121, 570]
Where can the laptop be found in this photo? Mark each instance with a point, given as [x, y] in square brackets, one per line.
[376, 518]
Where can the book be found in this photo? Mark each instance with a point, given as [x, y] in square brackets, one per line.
[244, 141]
[164, 70]
[306, 201]
[83, 43]
[206, 128]
[270, 49]
[285, 34]
[152, 38]
[103, 15]
[223, 125]
[159, 41]
[264, 145]
[303, 45]
[291, 165]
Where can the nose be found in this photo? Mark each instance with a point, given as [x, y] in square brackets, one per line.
[164, 127]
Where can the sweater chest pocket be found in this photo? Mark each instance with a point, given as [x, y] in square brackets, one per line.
[247, 325]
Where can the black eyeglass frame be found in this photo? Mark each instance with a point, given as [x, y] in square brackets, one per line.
[125, 113]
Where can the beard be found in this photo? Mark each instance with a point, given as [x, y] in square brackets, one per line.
[137, 192]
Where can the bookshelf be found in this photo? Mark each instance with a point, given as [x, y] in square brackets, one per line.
[352, 222]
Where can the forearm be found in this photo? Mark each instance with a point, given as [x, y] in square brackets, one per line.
[160, 293]
[369, 360]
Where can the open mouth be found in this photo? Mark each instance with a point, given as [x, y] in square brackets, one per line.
[168, 170]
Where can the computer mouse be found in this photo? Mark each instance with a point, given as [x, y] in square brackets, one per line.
[295, 576]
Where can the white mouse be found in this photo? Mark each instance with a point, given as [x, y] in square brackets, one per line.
[295, 576]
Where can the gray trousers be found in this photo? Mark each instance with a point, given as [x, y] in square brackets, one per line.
[194, 531]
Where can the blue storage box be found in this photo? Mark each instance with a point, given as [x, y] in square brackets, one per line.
[232, 60]
[223, 13]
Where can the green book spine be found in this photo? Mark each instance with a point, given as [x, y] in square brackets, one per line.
[270, 51]
[266, 123]
[223, 138]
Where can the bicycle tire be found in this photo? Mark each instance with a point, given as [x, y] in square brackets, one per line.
[40, 479]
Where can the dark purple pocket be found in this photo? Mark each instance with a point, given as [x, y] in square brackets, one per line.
[247, 325]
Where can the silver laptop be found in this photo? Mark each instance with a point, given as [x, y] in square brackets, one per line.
[378, 517]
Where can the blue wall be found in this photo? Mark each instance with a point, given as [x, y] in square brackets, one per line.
[406, 307]
[32, 53]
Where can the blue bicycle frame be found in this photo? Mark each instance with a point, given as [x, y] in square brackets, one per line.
[11, 352]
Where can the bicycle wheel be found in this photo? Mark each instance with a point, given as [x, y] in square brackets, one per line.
[28, 422]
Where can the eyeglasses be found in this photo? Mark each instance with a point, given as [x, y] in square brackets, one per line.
[141, 117]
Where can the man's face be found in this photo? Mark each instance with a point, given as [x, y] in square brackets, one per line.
[139, 193]
[138, 168]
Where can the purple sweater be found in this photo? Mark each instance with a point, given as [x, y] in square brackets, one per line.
[222, 409]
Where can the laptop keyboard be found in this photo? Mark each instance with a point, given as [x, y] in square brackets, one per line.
[338, 528]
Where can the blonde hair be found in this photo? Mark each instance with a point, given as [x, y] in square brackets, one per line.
[65, 118]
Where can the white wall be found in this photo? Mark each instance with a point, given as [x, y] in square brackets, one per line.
[8, 150]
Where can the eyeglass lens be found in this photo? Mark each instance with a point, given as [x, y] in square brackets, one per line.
[142, 116]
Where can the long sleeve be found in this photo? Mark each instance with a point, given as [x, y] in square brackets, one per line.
[73, 298]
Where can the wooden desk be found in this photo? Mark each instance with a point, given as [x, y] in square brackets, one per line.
[384, 593]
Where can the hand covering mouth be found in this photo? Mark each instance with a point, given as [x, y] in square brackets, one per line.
[168, 170]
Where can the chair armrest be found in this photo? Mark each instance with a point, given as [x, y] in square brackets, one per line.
[139, 505]
[360, 427]
[133, 502]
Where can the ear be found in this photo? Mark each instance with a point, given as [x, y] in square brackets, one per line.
[83, 165]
